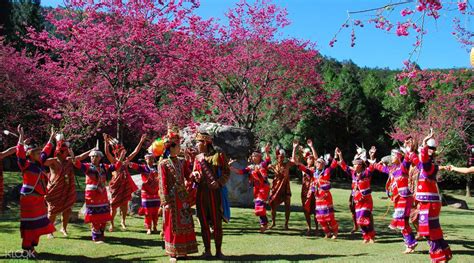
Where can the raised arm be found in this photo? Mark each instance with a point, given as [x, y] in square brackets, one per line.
[20, 149]
[462, 170]
[48, 148]
[109, 156]
[7, 152]
[313, 151]
[83, 155]
[137, 149]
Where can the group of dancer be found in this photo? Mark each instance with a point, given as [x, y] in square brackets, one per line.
[176, 179]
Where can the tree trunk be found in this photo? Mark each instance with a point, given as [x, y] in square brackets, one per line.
[119, 129]
[468, 186]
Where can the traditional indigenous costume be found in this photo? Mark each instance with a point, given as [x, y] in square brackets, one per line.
[258, 178]
[149, 193]
[97, 202]
[121, 185]
[33, 211]
[362, 196]
[430, 206]
[61, 187]
[281, 184]
[213, 169]
[401, 196]
[178, 225]
[320, 187]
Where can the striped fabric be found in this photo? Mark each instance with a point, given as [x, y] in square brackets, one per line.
[430, 227]
[61, 189]
[121, 188]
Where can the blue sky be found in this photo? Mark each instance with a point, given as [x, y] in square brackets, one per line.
[319, 20]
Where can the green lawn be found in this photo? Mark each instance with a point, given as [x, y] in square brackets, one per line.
[243, 242]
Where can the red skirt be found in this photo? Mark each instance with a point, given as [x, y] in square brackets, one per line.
[150, 204]
[61, 195]
[34, 220]
[402, 207]
[97, 207]
[363, 209]
[178, 228]
[324, 207]
[121, 189]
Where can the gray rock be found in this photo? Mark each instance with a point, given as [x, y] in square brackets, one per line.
[136, 201]
[236, 143]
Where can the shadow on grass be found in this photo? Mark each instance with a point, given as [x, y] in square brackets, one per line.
[127, 241]
[83, 258]
[292, 257]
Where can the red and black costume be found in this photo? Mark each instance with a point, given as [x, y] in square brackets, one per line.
[34, 220]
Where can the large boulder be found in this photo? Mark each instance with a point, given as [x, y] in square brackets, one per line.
[136, 201]
[236, 143]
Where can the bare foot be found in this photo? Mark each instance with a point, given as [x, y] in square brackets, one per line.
[155, 230]
[371, 241]
[365, 241]
[111, 228]
[334, 236]
[263, 228]
[354, 229]
[124, 227]
[148, 231]
[272, 226]
[308, 232]
[327, 236]
[50, 236]
[408, 250]
[286, 227]
[64, 232]
[172, 260]
[99, 242]
[219, 255]
[206, 255]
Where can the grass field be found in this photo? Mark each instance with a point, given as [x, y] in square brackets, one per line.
[242, 242]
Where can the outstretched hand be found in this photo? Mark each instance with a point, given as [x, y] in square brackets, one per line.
[267, 147]
[295, 144]
[372, 152]
[430, 135]
[21, 134]
[52, 133]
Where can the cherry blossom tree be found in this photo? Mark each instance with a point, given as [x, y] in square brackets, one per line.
[249, 73]
[109, 59]
[412, 17]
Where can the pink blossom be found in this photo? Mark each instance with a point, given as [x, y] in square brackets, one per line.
[403, 90]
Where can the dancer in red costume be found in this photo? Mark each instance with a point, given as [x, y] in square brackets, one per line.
[308, 200]
[258, 177]
[178, 225]
[61, 186]
[97, 202]
[33, 211]
[362, 194]
[121, 185]
[150, 206]
[320, 187]
[281, 192]
[430, 201]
